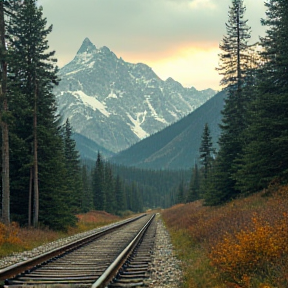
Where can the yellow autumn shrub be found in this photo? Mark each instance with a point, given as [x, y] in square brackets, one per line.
[9, 234]
[239, 256]
[2, 233]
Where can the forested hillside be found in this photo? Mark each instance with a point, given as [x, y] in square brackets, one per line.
[177, 146]
[242, 242]
[88, 149]
[36, 152]
[43, 181]
[253, 141]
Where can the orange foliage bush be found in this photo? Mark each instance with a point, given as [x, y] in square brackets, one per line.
[9, 234]
[251, 250]
[246, 239]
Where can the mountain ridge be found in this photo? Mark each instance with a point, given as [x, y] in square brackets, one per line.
[176, 146]
[115, 103]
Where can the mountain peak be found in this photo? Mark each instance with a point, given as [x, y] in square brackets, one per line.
[87, 46]
[116, 103]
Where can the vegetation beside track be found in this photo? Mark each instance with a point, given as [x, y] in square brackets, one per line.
[240, 244]
[16, 239]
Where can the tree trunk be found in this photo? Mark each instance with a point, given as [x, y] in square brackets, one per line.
[30, 198]
[4, 124]
[36, 190]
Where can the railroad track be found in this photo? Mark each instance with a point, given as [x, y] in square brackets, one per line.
[118, 257]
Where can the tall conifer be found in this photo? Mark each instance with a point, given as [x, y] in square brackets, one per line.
[36, 139]
[206, 150]
[99, 197]
[233, 67]
[4, 120]
[265, 157]
[119, 194]
[87, 196]
[72, 163]
[194, 186]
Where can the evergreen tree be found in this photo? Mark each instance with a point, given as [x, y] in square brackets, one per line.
[55, 201]
[194, 186]
[72, 163]
[109, 189]
[265, 157]
[206, 150]
[136, 198]
[35, 69]
[99, 197]
[180, 193]
[129, 198]
[87, 196]
[119, 193]
[35, 138]
[4, 120]
[233, 67]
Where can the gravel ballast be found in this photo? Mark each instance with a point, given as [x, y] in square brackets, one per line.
[27, 255]
[165, 267]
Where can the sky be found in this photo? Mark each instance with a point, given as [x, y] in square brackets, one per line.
[176, 38]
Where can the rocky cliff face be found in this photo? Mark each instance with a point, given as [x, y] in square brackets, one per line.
[115, 103]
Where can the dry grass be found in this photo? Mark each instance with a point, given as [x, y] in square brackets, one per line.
[16, 239]
[241, 244]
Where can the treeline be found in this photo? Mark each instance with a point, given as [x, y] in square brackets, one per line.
[159, 187]
[43, 180]
[132, 189]
[108, 191]
[36, 152]
[254, 136]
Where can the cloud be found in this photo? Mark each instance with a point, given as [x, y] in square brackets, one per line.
[142, 31]
[129, 24]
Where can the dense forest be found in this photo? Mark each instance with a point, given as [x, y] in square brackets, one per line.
[44, 183]
[43, 180]
[254, 137]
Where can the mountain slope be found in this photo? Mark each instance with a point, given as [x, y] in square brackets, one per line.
[116, 103]
[88, 148]
[177, 146]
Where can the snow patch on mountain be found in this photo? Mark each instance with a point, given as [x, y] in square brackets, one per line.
[91, 64]
[116, 103]
[136, 124]
[153, 112]
[112, 95]
[74, 72]
[91, 101]
[84, 58]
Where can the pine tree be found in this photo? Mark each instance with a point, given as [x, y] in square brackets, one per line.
[87, 196]
[206, 150]
[234, 64]
[109, 189]
[72, 163]
[55, 199]
[4, 120]
[180, 193]
[265, 157]
[34, 67]
[136, 198]
[119, 193]
[35, 138]
[99, 197]
[194, 186]
[234, 56]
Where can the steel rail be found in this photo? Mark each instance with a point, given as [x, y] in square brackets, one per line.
[112, 270]
[15, 269]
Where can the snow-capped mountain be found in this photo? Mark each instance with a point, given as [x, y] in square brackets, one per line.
[116, 103]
